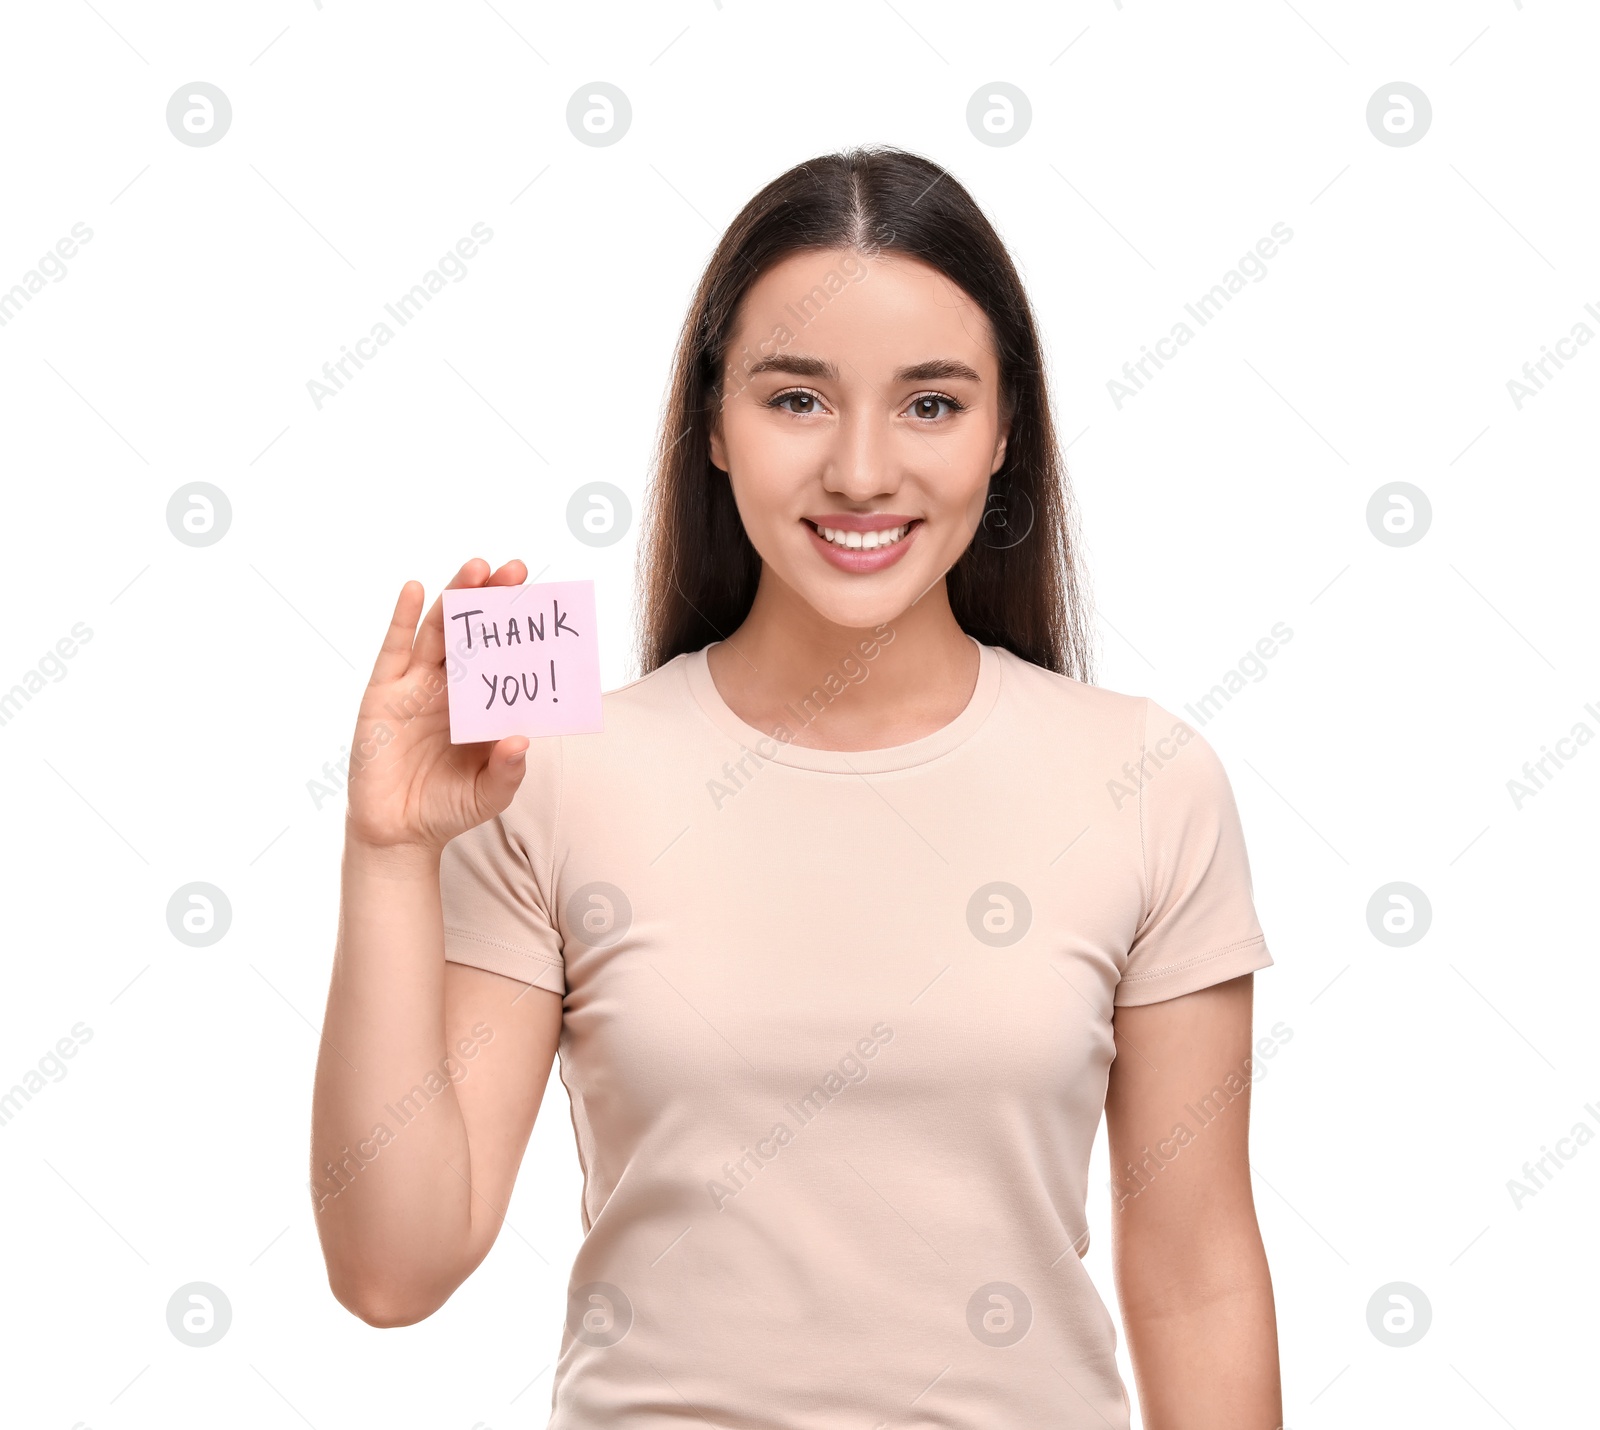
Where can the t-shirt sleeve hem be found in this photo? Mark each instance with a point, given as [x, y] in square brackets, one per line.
[525, 965]
[1158, 984]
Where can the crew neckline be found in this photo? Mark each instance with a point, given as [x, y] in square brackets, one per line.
[985, 692]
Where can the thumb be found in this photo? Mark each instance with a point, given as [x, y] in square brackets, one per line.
[504, 770]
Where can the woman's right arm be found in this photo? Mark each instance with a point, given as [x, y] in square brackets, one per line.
[430, 1074]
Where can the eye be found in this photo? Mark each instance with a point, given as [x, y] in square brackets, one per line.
[781, 400]
[919, 405]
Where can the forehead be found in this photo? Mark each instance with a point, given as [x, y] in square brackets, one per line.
[891, 307]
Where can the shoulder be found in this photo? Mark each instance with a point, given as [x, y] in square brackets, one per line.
[1062, 705]
[645, 718]
[654, 690]
[1129, 739]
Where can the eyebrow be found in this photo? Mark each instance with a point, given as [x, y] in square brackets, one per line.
[800, 365]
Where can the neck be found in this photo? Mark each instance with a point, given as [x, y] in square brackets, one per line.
[842, 686]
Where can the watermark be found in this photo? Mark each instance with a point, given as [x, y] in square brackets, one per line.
[1539, 1173]
[199, 114]
[1251, 266]
[199, 915]
[51, 667]
[199, 1314]
[1399, 1314]
[999, 1314]
[1536, 371]
[403, 310]
[336, 772]
[52, 266]
[845, 672]
[1399, 114]
[1537, 774]
[999, 114]
[51, 1067]
[999, 914]
[850, 1069]
[1399, 914]
[598, 114]
[1159, 753]
[1138, 1176]
[598, 915]
[1251, 669]
[599, 513]
[1000, 527]
[199, 514]
[403, 1112]
[598, 1313]
[1399, 514]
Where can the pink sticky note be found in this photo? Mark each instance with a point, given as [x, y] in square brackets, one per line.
[522, 660]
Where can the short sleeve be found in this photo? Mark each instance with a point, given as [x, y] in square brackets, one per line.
[496, 881]
[1199, 923]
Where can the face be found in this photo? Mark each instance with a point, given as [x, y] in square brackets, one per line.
[859, 428]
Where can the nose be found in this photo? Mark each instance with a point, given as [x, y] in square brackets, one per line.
[862, 462]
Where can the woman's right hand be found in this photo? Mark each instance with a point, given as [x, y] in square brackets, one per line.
[409, 787]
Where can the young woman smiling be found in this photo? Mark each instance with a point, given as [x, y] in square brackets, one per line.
[836, 1046]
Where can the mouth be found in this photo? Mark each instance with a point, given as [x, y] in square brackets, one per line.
[861, 551]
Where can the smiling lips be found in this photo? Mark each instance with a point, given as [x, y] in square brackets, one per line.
[862, 543]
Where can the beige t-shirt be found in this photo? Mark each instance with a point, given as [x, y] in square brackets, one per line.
[836, 1033]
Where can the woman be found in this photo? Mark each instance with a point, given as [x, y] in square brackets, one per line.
[848, 927]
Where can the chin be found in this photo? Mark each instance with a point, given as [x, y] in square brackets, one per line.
[862, 610]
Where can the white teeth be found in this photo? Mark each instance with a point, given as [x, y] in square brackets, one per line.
[864, 540]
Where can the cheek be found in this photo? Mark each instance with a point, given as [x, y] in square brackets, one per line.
[971, 513]
[960, 484]
[766, 461]
[956, 496]
[762, 478]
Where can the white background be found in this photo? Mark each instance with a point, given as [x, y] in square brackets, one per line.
[1229, 495]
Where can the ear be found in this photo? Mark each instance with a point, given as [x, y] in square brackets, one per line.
[719, 452]
[1000, 446]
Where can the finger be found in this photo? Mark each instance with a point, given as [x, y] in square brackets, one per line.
[513, 573]
[428, 651]
[395, 653]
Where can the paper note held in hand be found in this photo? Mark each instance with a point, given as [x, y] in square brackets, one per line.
[522, 660]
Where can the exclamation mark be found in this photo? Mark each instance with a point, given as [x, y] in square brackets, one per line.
[554, 699]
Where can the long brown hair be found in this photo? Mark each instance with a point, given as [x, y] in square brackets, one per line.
[1017, 584]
